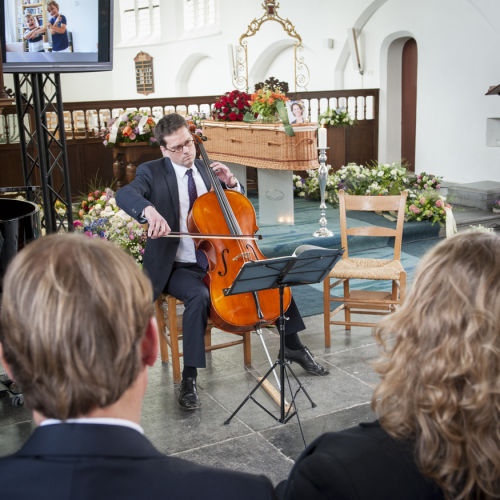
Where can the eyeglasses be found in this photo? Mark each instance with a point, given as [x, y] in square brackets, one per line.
[178, 149]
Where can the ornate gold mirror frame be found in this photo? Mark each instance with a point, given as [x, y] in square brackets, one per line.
[240, 72]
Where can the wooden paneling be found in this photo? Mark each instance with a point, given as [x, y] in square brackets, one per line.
[356, 144]
[88, 158]
[409, 102]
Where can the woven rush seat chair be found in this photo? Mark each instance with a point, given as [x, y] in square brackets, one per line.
[169, 319]
[347, 268]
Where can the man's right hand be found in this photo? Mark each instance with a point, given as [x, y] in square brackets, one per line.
[158, 226]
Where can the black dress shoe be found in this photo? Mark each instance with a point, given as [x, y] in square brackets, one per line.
[305, 359]
[188, 395]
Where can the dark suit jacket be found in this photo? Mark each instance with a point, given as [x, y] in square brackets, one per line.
[362, 463]
[108, 462]
[155, 184]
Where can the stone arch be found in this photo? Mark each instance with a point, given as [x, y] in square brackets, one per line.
[345, 53]
[185, 71]
[390, 96]
[259, 71]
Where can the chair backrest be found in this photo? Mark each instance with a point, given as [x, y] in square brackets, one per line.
[372, 204]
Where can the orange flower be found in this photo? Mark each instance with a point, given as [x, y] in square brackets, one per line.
[127, 130]
[270, 100]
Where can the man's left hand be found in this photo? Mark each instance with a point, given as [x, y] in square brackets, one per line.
[224, 174]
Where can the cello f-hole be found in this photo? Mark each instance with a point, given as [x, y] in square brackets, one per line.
[250, 247]
[224, 262]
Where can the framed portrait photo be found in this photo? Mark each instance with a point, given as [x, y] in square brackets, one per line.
[297, 112]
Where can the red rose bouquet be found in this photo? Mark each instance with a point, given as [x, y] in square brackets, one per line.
[231, 106]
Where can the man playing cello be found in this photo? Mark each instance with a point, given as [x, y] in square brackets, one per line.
[162, 194]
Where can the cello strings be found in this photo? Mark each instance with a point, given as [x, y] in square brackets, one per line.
[226, 208]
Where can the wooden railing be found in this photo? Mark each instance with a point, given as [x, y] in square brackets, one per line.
[83, 122]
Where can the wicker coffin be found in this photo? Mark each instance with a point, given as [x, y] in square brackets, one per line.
[262, 145]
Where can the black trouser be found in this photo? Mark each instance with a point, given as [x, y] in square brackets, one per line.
[186, 284]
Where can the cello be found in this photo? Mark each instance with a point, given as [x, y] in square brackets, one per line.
[230, 213]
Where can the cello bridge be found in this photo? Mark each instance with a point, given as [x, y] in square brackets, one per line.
[243, 255]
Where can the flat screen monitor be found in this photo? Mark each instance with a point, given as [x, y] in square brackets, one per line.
[66, 36]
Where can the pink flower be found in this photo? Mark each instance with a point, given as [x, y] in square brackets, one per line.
[426, 186]
[132, 136]
[438, 186]
[414, 209]
[422, 201]
[131, 236]
[77, 223]
[88, 233]
[439, 203]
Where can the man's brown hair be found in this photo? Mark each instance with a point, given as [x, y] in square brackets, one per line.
[74, 312]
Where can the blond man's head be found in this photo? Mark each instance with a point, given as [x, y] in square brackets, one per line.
[74, 312]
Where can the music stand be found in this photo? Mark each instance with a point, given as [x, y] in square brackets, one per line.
[309, 264]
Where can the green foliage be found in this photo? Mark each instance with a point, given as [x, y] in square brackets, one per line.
[380, 179]
[336, 118]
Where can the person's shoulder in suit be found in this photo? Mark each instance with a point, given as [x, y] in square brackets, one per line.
[123, 464]
[200, 481]
[362, 462]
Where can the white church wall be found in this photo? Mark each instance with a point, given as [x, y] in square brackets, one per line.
[457, 44]
[457, 50]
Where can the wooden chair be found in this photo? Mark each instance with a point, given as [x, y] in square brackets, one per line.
[170, 329]
[347, 268]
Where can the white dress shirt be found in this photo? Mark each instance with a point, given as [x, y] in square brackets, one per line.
[94, 420]
[186, 249]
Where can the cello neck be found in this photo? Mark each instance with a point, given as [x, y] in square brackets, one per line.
[227, 211]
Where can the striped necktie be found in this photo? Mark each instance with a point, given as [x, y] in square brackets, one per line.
[201, 258]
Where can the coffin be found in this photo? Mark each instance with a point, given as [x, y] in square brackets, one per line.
[262, 145]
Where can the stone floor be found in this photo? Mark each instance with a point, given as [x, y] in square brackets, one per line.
[253, 441]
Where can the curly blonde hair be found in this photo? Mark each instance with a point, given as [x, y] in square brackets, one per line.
[440, 367]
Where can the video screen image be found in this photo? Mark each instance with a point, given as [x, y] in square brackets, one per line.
[51, 31]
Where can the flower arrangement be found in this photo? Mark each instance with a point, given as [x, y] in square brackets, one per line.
[135, 126]
[426, 181]
[197, 118]
[336, 118]
[60, 208]
[264, 102]
[96, 197]
[100, 217]
[496, 207]
[426, 205]
[380, 179]
[231, 106]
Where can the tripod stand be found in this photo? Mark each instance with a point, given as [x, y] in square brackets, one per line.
[308, 264]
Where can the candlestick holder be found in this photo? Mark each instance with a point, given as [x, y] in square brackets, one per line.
[323, 231]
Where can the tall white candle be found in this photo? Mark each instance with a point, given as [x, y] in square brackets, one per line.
[322, 137]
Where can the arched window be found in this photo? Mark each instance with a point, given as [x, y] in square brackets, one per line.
[139, 19]
[199, 14]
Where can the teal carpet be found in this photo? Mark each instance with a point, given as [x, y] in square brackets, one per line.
[280, 240]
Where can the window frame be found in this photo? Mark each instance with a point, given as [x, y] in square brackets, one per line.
[153, 35]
